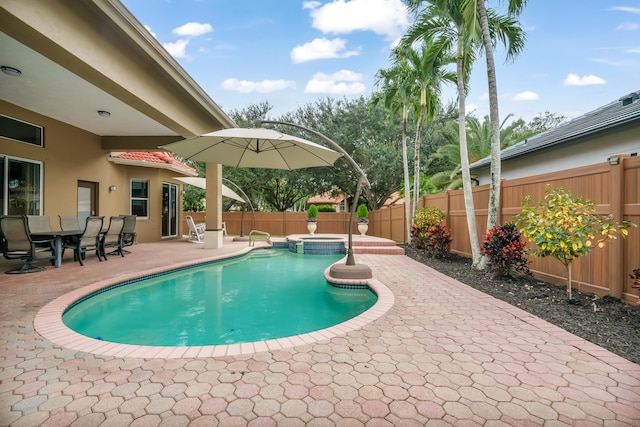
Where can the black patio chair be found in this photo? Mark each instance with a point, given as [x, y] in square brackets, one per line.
[18, 244]
[113, 237]
[88, 241]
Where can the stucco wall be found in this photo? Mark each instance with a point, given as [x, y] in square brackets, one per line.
[71, 154]
[569, 155]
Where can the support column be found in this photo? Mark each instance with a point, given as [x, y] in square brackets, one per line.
[213, 238]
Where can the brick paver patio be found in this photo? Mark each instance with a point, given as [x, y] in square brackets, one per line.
[442, 354]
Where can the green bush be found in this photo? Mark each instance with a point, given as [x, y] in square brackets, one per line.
[326, 208]
[363, 213]
[427, 217]
[429, 232]
[312, 213]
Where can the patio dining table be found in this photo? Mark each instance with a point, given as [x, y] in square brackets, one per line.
[57, 236]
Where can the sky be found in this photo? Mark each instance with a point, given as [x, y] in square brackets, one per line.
[579, 54]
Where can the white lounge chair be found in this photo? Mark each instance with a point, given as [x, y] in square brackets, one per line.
[196, 231]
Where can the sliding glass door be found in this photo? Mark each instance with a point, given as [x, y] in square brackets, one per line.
[169, 210]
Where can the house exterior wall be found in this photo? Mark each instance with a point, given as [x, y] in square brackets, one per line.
[70, 155]
[569, 155]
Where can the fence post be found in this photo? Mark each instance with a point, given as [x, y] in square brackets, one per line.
[501, 202]
[615, 273]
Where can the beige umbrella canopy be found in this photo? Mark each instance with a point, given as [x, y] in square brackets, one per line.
[254, 148]
[202, 183]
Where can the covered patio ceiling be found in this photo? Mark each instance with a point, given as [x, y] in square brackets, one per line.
[78, 58]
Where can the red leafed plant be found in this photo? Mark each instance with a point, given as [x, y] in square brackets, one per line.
[505, 251]
[635, 277]
[436, 240]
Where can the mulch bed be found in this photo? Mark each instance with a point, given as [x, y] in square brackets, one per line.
[605, 321]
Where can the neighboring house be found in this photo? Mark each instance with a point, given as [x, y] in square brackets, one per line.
[336, 202]
[586, 140]
[81, 80]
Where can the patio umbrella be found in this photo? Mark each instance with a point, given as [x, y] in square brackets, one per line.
[254, 148]
[202, 183]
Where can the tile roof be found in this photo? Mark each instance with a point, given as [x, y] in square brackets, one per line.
[621, 112]
[159, 157]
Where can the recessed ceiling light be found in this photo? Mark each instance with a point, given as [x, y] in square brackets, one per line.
[103, 113]
[10, 71]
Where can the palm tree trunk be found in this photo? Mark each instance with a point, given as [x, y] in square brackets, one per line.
[416, 158]
[494, 117]
[464, 161]
[405, 164]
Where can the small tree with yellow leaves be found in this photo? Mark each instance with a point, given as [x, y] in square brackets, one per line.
[566, 227]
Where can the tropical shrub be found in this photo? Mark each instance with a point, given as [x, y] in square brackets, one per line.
[505, 251]
[312, 213]
[436, 241]
[427, 217]
[363, 213]
[565, 227]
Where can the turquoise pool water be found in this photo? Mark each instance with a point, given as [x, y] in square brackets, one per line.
[264, 295]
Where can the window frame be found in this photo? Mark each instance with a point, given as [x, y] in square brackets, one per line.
[5, 159]
[132, 198]
[40, 137]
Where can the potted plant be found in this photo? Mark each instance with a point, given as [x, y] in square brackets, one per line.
[363, 219]
[312, 219]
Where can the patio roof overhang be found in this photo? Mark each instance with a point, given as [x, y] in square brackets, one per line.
[80, 57]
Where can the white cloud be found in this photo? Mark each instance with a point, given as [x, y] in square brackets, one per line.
[343, 82]
[265, 86]
[576, 80]
[527, 95]
[470, 108]
[193, 29]
[321, 49]
[626, 9]
[177, 49]
[383, 17]
[150, 32]
[628, 26]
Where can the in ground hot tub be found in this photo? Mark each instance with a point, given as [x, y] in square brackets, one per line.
[316, 245]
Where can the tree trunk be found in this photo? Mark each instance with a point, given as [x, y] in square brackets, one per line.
[416, 158]
[405, 164]
[568, 267]
[494, 117]
[464, 160]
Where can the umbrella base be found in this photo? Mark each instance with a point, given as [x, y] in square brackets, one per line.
[351, 272]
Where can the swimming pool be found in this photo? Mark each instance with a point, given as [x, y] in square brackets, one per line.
[265, 295]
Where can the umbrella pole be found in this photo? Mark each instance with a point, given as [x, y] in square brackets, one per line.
[350, 270]
[350, 259]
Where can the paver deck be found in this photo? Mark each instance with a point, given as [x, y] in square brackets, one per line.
[441, 354]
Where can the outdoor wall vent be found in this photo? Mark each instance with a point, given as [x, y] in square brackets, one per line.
[629, 99]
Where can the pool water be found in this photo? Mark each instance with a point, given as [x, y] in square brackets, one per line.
[264, 295]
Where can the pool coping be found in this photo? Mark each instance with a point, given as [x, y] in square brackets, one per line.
[48, 321]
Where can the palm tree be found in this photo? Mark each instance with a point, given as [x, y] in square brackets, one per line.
[426, 73]
[442, 23]
[478, 145]
[453, 25]
[394, 95]
[511, 35]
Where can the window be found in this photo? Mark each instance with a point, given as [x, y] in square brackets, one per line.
[140, 198]
[20, 186]
[20, 131]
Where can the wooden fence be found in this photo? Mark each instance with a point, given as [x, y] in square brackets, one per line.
[614, 188]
